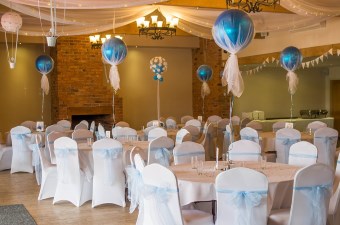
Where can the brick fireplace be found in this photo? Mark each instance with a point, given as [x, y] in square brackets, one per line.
[79, 89]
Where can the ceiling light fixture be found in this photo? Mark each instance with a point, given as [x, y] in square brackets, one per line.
[251, 5]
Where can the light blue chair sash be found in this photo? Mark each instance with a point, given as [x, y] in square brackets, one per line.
[62, 154]
[184, 153]
[135, 187]
[109, 155]
[25, 138]
[329, 142]
[245, 153]
[162, 156]
[245, 201]
[250, 138]
[318, 195]
[161, 213]
[299, 155]
[36, 161]
[287, 142]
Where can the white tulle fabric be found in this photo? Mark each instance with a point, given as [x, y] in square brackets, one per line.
[45, 86]
[85, 17]
[205, 90]
[293, 81]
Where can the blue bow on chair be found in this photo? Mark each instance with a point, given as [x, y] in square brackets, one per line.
[249, 138]
[135, 187]
[329, 142]
[162, 155]
[109, 155]
[63, 153]
[287, 142]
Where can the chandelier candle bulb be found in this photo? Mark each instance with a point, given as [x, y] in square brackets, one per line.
[154, 20]
[159, 23]
[168, 20]
[146, 23]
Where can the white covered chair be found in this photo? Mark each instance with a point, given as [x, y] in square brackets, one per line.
[208, 142]
[156, 133]
[250, 134]
[170, 123]
[85, 122]
[22, 155]
[302, 153]
[194, 131]
[154, 123]
[334, 203]
[80, 136]
[122, 124]
[51, 137]
[195, 123]
[186, 118]
[311, 193]
[54, 127]
[108, 176]
[235, 120]
[221, 127]
[93, 126]
[244, 150]
[325, 139]
[316, 125]
[6, 153]
[29, 124]
[101, 132]
[72, 185]
[49, 177]
[81, 126]
[278, 125]
[214, 119]
[244, 122]
[241, 197]
[337, 173]
[159, 151]
[255, 125]
[183, 152]
[161, 203]
[124, 133]
[65, 124]
[284, 138]
[182, 135]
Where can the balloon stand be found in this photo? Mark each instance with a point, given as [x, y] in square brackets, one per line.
[230, 121]
[42, 105]
[291, 107]
[158, 102]
[203, 106]
[113, 107]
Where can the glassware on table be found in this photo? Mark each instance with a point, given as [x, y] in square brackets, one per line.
[199, 167]
[89, 141]
[194, 162]
[263, 162]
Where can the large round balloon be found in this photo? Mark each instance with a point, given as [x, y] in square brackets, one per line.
[11, 21]
[233, 30]
[44, 64]
[290, 58]
[204, 73]
[114, 51]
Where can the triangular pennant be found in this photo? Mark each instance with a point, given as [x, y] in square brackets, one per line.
[251, 71]
[307, 64]
[338, 52]
[312, 62]
[317, 60]
[264, 63]
[326, 54]
[273, 59]
[261, 67]
[330, 51]
[321, 58]
[257, 69]
[267, 60]
[247, 72]
[303, 65]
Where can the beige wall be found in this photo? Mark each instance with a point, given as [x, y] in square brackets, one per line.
[20, 92]
[139, 90]
[268, 91]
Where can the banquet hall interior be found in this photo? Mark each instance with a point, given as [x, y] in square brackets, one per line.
[55, 67]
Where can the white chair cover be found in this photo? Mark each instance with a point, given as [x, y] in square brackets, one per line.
[337, 173]
[214, 119]
[6, 153]
[311, 193]
[316, 125]
[80, 136]
[35, 145]
[183, 152]
[195, 123]
[153, 123]
[325, 139]
[334, 208]
[221, 126]
[146, 132]
[101, 132]
[51, 137]
[124, 133]
[278, 125]
[86, 123]
[108, 173]
[93, 126]
[72, 185]
[156, 133]
[244, 122]
[180, 135]
[244, 150]
[48, 130]
[122, 124]
[161, 201]
[186, 118]
[80, 126]
[241, 197]
[29, 124]
[255, 125]
[49, 177]
[302, 153]
[170, 123]
[284, 138]
[159, 151]
[194, 131]
[65, 124]
[235, 120]
[22, 155]
[250, 134]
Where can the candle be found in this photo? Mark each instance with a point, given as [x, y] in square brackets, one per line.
[217, 150]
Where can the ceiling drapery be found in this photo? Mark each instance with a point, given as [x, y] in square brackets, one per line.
[78, 17]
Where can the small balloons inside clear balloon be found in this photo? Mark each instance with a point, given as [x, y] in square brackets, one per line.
[158, 66]
[204, 73]
[44, 64]
[291, 58]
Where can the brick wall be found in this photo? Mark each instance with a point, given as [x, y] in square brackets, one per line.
[216, 103]
[79, 80]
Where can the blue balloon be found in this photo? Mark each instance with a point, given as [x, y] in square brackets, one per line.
[155, 77]
[44, 64]
[291, 58]
[114, 51]
[233, 30]
[204, 73]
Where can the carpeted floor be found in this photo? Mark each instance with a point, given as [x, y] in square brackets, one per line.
[15, 215]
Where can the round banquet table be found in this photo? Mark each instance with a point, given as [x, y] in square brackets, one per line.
[171, 134]
[194, 187]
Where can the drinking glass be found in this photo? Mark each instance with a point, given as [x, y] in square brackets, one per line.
[263, 162]
[199, 167]
[193, 162]
[89, 141]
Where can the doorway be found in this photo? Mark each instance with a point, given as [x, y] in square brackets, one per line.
[335, 103]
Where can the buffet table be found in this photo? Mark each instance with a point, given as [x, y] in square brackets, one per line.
[299, 123]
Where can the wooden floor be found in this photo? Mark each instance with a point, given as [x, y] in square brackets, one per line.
[21, 188]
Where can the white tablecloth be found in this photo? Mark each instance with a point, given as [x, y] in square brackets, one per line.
[194, 187]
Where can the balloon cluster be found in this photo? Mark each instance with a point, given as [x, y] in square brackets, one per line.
[158, 65]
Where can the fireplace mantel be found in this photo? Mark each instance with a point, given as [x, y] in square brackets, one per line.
[98, 110]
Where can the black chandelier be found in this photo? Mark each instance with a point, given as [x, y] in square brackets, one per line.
[251, 5]
[156, 30]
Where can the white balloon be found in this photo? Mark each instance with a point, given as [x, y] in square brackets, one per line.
[11, 21]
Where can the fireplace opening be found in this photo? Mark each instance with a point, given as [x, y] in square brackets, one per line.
[103, 119]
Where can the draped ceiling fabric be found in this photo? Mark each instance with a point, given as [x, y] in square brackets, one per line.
[79, 17]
